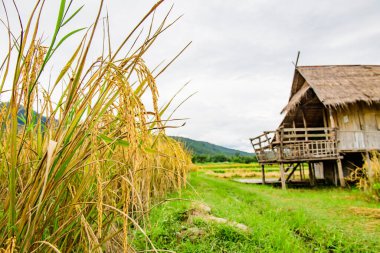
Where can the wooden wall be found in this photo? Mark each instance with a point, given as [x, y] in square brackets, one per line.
[359, 127]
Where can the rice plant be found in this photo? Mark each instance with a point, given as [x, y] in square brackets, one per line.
[79, 174]
[367, 177]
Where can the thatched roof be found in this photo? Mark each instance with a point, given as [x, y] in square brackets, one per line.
[336, 85]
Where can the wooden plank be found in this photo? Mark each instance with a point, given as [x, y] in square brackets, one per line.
[299, 129]
[308, 142]
[283, 183]
[308, 135]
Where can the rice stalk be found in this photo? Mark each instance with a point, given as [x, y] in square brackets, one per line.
[367, 177]
[80, 172]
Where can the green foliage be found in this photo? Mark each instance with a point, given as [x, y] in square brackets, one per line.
[222, 158]
[204, 152]
[205, 148]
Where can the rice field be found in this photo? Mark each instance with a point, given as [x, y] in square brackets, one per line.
[79, 173]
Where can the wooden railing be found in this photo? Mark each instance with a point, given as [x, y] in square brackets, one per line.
[291, 144]
[264, 148]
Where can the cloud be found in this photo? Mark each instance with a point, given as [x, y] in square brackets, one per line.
[240, 61]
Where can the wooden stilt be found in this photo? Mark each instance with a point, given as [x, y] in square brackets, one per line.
[340, 173]
[263, 173]
[370, 172]
[283, 183]
[311, 174]
[335, 176]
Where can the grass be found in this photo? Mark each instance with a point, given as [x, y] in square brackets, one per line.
[81, 173]
[296, 220]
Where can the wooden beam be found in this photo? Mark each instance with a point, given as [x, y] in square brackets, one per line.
[304, 124]
[340, 173]
[263, 173]
[283, 183]
[332, 121]
[311, 174]
[325, 121]
[281, 142]
[292, 172]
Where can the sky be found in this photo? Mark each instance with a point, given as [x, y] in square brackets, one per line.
[240, 62]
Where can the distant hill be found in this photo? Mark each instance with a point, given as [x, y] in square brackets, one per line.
[21, 115]
[206, 148]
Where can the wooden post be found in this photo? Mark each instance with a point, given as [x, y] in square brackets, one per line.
[340, 173]
[304, 125]
[283, 183]
[325, 123]
[263, 173]
[370, 171]
[281, 142]
[332, 121]
[311, 174]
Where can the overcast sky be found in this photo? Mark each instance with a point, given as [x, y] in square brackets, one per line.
[240, 61]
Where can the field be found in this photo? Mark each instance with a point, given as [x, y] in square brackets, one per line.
[296, 220]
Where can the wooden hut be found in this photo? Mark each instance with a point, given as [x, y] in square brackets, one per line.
[331, 121]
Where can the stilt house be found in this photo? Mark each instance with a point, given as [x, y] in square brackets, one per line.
[331, 121]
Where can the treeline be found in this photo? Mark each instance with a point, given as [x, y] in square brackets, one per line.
[222, 158]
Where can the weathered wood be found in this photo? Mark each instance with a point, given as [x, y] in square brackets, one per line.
[332, 121]
[293, 144]
[281, 142]
[370, 171]
[308, 135]
[300, 129]
[304, 124]
[292, 172]
[358, 141]
[340, 173]
[263, 173]
[311, 174]
[283, 183]
[325, 121]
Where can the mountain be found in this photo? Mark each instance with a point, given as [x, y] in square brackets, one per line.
[21, 115]
[206, 148]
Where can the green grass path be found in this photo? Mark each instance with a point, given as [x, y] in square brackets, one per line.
[296, 220]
